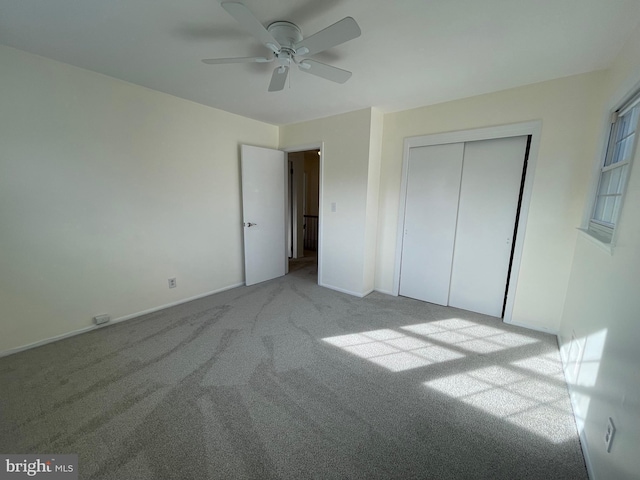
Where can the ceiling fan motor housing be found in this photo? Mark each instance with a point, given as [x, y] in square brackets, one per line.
[286, 33]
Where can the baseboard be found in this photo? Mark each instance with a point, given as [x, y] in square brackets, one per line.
[530, 327]
[89, 328]
[584, 445]
[348, 292]
[39, 343]
[386, 292]
[173, 304]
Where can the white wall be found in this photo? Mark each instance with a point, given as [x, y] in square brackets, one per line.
[106, 190]
[602, 309]
[373, 199]
[569, 126]
[345, 174]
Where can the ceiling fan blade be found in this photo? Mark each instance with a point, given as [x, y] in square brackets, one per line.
[279, 78]
[340, 32]
[250, 24]
[323, 70]
[217, 61]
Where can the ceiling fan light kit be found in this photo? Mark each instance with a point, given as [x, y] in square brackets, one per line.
[287, 44]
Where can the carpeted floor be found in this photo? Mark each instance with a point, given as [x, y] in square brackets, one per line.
[290, 380]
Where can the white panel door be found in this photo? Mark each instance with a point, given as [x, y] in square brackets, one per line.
[264, 213]
[433, 188]
[489, 192]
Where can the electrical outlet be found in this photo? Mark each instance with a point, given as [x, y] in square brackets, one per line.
[608, 436]
[172, 283]
[99, 319]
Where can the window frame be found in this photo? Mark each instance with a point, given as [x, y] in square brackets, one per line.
[603, 231]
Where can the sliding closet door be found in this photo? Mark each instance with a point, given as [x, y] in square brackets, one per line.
[489, 193]
[433, 188]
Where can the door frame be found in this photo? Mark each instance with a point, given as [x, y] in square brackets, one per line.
[303, 148]
[532, 129]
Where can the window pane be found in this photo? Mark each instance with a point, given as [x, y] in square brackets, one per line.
[628, 123]
[615, 183]
[607, 208]
[616, 208]
[611, 181]
[623, 137]
[609, 204]
[632, 124]
[599, 210]
[628, 147]
[624, 126]
[618, 152]
[622, 149]
[610, 146]
[605, 180]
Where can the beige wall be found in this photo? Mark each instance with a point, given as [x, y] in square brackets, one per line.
[568, 110]
[106, 190]
[602, 309]
[373, 199]
[345, 182]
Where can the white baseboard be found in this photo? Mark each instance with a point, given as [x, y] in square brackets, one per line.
[173, 304]
[39, 343]
[584, 445]
[532, 327]
[348, 292]
[386, 292]
[89, 328]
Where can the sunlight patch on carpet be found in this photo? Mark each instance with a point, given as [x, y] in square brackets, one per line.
[531, 403]
[393, 350]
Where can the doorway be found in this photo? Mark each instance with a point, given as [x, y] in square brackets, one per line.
[303, 209]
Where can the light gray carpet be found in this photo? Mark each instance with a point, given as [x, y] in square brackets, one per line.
[290, 380]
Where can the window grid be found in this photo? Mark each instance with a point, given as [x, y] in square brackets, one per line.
[614, 171]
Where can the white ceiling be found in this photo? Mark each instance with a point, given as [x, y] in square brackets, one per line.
[411, 52]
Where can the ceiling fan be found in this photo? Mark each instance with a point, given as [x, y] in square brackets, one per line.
[288, 46]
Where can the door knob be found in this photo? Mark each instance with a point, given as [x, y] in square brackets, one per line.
[250, 224]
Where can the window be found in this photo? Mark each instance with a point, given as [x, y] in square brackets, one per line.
[615, 169]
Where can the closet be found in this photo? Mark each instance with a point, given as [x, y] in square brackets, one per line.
[461, 207]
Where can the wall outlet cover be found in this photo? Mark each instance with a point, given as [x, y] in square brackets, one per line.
[609, 434]
[100, 319]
